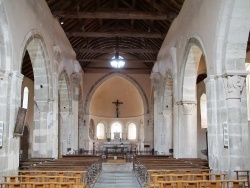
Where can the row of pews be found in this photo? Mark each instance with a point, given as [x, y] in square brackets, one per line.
[167, 172]
[78, 171]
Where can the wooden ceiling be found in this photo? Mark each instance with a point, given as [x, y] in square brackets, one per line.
[99, 29]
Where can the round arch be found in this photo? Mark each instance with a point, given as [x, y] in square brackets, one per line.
[35, 45]
[108, 76]
[193, 52]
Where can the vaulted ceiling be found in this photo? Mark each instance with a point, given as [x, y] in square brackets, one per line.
[99, 29]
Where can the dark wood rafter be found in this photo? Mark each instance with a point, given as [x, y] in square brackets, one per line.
[93, 28]
[120, 15]
[101, 60]
[117, 34]
[113, 50]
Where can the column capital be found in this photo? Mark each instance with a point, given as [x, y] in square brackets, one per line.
[188, 106]
[233, 86]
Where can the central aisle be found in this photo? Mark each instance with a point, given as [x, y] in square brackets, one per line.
[117, 175]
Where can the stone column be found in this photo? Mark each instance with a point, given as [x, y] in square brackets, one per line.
[167, 122]
[187, 129]
[155, 77]
[237, 125]
[13, 147]
[76, 80]
[212, 121]
[227, 123]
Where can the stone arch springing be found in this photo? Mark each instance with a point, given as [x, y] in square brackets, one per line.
[34, 44]
[108, 76]
[64, 130]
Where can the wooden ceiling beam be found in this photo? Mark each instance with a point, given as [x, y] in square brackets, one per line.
[121, 69]
[113, 50]
[112, 34]
[119, 14]
[108, 60]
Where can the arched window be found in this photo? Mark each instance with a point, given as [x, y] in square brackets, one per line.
[100, 131]
[116, 127]
[203, 110]
[131, 131]
[25, 97]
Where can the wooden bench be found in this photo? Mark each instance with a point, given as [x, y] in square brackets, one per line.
[184, 177]
[79, 176]
[38, 185]
[243, 174]
[203, 184]
[28, 178]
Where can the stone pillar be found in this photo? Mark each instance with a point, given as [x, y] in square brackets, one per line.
[212, 121]
[13, 147]
[187, 129]
[155, 77]
[167, 122]
[227, 123]
[76, 80]
[236, 123]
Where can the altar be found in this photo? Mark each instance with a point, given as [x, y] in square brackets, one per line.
[118, 147]
[122, 143]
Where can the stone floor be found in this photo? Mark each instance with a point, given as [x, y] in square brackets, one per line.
[117, 175]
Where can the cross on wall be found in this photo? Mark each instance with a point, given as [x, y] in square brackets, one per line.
[117, 103]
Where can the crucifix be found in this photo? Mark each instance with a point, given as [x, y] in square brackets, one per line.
[117, 107]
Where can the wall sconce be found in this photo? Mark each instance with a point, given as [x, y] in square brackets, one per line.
[84, 122]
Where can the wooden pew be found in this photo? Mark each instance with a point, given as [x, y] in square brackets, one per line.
[203, 184]
[38, 185]
[81, 176]
[28, 178]
[26, 164]
[142, 164]
[243, 174]
[184, 177]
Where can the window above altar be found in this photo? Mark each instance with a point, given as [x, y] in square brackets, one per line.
[116, 128]
[100, 131]
[132, 131]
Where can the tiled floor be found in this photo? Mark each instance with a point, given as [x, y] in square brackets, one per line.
[117, 175]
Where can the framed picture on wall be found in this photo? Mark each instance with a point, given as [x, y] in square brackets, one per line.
[1, 134]
[18, 131]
